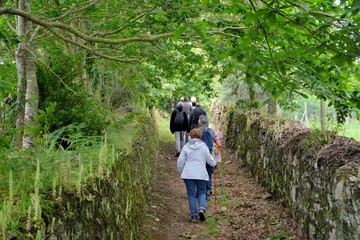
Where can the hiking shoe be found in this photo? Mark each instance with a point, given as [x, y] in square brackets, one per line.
[194, 219]
[202, 215]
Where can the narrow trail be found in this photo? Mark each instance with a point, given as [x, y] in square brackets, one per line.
[245, 209]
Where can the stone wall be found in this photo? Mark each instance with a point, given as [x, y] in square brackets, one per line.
[112, 206]
[314, 174]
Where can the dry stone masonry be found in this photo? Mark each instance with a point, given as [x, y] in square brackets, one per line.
[314, 174]
[112, 206]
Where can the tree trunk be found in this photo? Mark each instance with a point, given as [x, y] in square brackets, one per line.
[305, 115]
[272, 109]
[28, 93]
[32, 96]
[323, 114]
[20, 56]
[32, 90]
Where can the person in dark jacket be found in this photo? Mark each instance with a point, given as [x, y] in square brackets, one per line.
[187, 107]
[179, 128]
[194, 118]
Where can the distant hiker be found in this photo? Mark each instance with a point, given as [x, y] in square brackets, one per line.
[203, 124]
[178, 126]
[180, 101]
[209, 137]
[194, 117]
[193, 104]
[191, 166]
[188, 109]
[193, 101]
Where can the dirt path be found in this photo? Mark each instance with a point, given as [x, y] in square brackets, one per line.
[244, 209]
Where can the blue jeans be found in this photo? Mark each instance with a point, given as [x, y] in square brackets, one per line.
[195, 188]
[210, 171]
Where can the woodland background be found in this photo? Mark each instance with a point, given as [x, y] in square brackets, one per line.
[71, 70]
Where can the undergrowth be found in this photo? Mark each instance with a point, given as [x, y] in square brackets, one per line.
[28, 177]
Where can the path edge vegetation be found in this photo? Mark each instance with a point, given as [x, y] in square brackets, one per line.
[88, 193]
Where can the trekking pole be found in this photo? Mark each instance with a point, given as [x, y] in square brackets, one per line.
[218, 166]
[215, 195]
[222, 191]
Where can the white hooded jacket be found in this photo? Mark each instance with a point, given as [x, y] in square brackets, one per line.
[192, 161]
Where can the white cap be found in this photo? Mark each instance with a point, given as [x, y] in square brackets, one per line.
[193, 99]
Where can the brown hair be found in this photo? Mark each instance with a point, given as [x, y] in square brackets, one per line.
[195, 133]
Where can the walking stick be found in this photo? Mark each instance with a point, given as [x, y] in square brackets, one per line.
[221, 188]
[218, 158]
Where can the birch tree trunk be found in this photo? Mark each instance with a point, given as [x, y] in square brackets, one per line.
[32, 96]
[32, 90]
[28, 93]
[20, 56]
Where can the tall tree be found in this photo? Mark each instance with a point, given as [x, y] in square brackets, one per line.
[28, 95]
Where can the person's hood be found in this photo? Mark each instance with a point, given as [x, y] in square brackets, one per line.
[195, 143]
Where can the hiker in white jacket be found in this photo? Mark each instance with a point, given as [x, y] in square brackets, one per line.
[191, 165]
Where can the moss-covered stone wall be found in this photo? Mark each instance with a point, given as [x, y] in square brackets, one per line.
[112, 206]
[312, 173]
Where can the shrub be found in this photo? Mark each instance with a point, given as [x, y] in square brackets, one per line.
[64, 100]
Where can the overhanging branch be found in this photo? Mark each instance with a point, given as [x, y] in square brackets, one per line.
[91, 50]
[49, 25]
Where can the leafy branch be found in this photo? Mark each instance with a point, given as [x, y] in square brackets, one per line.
[51, 25]
[267, 41]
